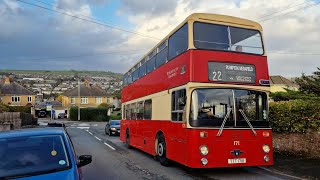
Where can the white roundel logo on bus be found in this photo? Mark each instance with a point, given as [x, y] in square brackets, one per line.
[183, 69]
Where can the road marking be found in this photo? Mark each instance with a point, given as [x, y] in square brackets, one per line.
[83, 127]
[90, 132]
[109, 146]
[280, 173]
[97, 138]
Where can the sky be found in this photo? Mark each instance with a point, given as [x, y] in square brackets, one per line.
[33, 36]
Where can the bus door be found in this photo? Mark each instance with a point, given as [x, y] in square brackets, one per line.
[177, 128]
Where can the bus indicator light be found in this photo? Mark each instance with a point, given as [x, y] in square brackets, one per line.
[265, 134]
[203, 134]
[264, 82]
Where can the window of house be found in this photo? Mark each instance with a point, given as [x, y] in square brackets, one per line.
[15, 99]
[84, 100]
[98, 100]
[108, 100]
[178, 42]
[178, 105]
[147, 113]
[29, 98]
[73, 100]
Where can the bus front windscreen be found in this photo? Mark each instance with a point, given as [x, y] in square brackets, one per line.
[227, 38]
[210, 107]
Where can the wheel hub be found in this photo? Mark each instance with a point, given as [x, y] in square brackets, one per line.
[160, 149]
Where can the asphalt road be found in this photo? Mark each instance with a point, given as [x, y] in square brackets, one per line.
[111, 160]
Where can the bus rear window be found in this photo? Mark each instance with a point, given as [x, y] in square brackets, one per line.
[227, 38]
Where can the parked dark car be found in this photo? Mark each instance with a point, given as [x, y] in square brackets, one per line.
[113, 127]
[39, 153]
[42, 114]
[61, 115]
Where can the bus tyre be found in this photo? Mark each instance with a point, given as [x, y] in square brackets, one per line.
[162, 150]
[127, 143]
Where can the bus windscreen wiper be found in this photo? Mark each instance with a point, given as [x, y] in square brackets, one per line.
[224, 122]
[247, 120]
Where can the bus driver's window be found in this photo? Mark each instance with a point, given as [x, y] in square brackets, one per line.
[178, 104]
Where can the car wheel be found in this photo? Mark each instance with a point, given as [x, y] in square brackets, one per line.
[162, 151]
[109, 132]
[105, 130]
[127, 143]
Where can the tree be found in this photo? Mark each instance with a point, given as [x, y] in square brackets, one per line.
[117, 94]
[310, 84]
[104, 105]
[59, 98]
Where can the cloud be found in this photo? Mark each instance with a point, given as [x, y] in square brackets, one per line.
[30, 37]
[296, 32]
[38, 39]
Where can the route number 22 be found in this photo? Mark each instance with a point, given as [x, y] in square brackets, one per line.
[216, 76]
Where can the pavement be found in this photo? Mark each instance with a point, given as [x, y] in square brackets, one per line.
[296, 166]
[111, 160]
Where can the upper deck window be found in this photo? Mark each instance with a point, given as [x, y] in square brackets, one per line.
[178, 42]
[227, 38]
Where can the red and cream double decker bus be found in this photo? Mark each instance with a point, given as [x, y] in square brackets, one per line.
[200, 97]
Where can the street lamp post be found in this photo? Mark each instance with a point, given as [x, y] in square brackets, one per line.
[79, 100]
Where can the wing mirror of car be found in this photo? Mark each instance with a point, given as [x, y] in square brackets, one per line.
[84, 160]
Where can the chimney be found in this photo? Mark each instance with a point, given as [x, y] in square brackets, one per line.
[7, 80]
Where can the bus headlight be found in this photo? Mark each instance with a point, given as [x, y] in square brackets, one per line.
[266, 158]
[266, 148]
[204, 150]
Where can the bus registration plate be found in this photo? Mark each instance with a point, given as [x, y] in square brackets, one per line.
[237, 161]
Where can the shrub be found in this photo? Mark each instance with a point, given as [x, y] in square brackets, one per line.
[89, 114]
[291, 95]
[24, 109]
[116, 117]
[3, 108]
[295, 116]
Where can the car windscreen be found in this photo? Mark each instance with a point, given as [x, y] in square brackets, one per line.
[27, 156]
[115, 123]
[227, 38]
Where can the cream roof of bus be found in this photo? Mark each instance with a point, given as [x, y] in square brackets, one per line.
[214, 18]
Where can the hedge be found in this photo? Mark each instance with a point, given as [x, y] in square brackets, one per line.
[24, 109]
[89, 114]
[295, 116]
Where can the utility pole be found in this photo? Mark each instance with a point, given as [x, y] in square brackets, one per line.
[79, 100]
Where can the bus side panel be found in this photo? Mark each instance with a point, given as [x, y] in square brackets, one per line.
[222, 148]
[177, 142]
[175, 135]
[174, 73]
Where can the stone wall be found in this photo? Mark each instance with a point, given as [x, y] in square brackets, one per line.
[305, 144]
[16, 120]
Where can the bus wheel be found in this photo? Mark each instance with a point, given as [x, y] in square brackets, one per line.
[161, 150]
[127, 143]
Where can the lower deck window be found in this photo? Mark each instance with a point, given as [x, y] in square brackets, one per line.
[178, 105]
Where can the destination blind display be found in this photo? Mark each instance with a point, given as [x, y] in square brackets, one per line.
[231, 72]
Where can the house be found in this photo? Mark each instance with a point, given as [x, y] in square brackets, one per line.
[14, 94]
[90, 96]
[280, 83]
